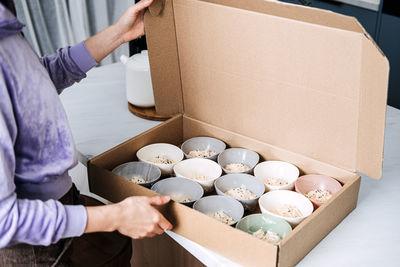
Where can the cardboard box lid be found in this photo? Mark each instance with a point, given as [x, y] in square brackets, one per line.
[306, 80]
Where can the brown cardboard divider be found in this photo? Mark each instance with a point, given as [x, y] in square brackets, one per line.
[208, 232]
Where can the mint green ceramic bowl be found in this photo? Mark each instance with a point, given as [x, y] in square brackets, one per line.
[252, 223]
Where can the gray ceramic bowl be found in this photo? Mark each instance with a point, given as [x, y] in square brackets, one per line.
[147, 171]
[176, 185]
[228, 205]
[238, 155]
[241, 180]
[203, 143]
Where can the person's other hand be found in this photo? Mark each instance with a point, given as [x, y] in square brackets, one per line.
[138, 218]
[131, 23]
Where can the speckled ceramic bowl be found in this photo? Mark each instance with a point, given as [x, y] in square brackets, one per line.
[175, 185]
[274, 199]
[307, 183]
[196, 167]
[238, 155]
[203, 143]
[240, 180]
[148, 172]
[252, 223]
[228, 205]
[149, 152]
[277, 169]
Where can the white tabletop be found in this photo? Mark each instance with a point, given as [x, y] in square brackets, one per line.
[369, 236]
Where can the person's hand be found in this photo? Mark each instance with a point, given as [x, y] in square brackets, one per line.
[138, 218]
[131, 23]
[128, 27]
[135, 217]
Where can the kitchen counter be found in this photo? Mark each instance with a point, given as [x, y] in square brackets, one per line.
[99, 119]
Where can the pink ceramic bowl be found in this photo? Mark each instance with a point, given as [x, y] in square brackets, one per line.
[307, 183]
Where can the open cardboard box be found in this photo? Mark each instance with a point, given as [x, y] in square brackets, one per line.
[292, 83]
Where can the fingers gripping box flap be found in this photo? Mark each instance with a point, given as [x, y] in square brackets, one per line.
[303, 79]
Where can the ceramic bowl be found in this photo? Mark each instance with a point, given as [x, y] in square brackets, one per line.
[228, 205]
[203, 143]
[148, 172]
[181, 186]
[238, 155]
[195, 167]
[275, 199]
[245, 181]
[254, 222]
[277, 169]
[307, 183]
[147, 153]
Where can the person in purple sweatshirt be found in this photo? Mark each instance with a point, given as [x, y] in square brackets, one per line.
[38, 213]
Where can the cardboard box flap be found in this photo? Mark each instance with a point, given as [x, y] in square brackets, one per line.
[307, 80]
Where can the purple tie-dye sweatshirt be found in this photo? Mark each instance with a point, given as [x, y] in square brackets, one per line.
[36, 145]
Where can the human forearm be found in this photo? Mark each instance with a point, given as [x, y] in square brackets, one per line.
[103, 43]
[102, 218]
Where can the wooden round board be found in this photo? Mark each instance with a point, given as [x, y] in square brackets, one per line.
[147, 113]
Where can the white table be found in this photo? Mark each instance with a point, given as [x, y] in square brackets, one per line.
[369, 236]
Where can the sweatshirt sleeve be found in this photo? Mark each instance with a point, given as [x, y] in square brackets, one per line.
[28, 221]
[68, 65]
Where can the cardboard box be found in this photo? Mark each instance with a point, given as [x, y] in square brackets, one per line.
[292, 83]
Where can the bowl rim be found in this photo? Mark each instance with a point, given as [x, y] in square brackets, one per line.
[239, 174]
[313, 174]
[267, 215]
[276, 187]
[178, 164]
[283, 217]
[237, 148]
[220, 196]
[166, 180]
[139, 163]
[203, 137]
[181, 156]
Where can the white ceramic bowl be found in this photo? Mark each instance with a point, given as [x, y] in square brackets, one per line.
[275, 199]
[191, 168]
[147, 153]
[228, 205]
[246, 181]
[277, 169]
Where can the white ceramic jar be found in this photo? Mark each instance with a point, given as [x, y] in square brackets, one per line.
[139, 89]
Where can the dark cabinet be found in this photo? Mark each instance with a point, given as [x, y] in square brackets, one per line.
[366, 17]
[389, 42]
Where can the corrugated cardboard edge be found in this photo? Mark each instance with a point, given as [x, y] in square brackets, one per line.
[290, 11]
[164, 60]
[372, 108]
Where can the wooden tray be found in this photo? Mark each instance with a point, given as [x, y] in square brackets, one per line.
[148, 113]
